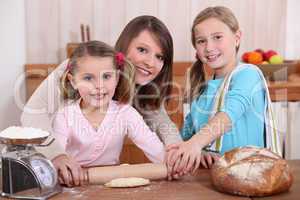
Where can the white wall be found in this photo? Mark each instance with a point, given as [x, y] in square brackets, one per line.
[12, 59]
[292, 30]
[51, 24]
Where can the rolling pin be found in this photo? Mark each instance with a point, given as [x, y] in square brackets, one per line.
[101, 175]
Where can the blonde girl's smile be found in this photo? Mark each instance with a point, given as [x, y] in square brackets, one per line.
[216, 44]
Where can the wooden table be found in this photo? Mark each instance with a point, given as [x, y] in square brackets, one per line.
[189, 188]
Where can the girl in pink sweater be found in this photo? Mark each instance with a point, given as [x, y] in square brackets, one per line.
[92, 125]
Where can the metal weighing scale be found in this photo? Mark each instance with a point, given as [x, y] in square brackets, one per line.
[27, 174]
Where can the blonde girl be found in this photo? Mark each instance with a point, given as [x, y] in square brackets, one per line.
[97, 86]
[228, 110]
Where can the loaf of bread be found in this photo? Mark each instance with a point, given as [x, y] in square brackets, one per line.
[251, 171]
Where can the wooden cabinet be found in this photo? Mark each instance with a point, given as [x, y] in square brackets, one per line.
[287, 116]
[35, 74]
[293, 136]
[131, 154]
[287, 113]
[280, 112]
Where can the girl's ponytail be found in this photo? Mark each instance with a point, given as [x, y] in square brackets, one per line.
[196, 81]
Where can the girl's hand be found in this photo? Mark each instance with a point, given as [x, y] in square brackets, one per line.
[69, 171]
[208, 159]
[189, 154]
[171, 174]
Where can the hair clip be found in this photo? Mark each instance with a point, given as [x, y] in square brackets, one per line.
[69, 66]
[120, 59]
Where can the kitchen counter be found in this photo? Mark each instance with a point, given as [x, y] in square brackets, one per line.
[285, 90]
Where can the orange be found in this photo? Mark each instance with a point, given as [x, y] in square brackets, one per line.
[255, 58]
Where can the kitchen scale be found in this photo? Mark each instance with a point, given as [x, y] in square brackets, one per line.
[27, 174]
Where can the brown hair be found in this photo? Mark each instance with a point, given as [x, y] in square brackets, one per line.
[164, 78]
[196, 73]
[124, 89]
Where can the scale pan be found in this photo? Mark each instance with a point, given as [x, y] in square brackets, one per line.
[21, 141]
[23, 135]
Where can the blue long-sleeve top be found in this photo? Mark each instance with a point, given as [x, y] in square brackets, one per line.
[244, 104]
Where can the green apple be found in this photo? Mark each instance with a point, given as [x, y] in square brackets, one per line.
[276, 59]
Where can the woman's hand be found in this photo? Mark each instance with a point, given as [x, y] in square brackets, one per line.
[69, 171]
[186, 158]
[208, 159]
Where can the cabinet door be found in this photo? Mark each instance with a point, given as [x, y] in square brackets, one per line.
[280, 110]
[293, 138]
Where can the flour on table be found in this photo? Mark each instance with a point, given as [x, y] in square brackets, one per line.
[16, 132]
[128, 182]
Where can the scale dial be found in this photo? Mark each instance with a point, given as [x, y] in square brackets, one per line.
[45, 172]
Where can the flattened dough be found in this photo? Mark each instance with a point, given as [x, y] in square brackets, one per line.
[128, 182]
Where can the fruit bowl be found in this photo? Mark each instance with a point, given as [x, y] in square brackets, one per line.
[279, 72]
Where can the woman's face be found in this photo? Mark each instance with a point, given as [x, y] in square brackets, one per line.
[146, 55]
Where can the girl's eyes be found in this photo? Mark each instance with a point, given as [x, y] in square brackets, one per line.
[203, 41]
[200, 41]
[87, 78]
[106, 76]
[217, 37]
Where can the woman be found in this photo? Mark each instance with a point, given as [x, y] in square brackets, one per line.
[148, 44]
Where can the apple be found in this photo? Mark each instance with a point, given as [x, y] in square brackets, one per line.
[260, 51]
[265, 63]
[245, 57]
[276, 59]
[268, 54]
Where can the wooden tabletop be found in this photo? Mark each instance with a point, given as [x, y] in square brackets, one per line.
[197, 186]
[189, 188]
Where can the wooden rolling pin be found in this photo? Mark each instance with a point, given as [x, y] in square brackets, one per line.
[101, 175]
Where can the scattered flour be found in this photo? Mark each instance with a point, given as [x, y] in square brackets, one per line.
[250, 172]
[242, 155]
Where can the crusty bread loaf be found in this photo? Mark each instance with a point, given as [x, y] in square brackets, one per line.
[251, 171]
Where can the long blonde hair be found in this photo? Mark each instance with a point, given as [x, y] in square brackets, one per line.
[196, 74]
[125, 87]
